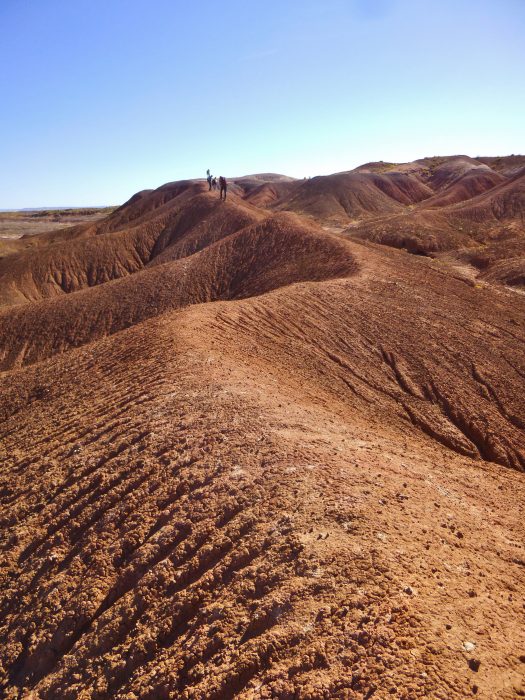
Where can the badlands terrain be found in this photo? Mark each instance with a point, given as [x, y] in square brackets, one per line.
[272, 447]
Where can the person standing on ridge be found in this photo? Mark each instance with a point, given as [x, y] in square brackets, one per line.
[223, 185]
[214, 183]
[209, 179]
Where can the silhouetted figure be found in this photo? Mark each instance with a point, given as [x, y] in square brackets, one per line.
[209, 179]
[214, 183]
[223, 186]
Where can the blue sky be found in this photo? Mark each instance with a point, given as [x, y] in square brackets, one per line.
[102, 98]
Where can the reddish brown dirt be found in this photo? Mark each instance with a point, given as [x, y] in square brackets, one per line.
[427, 207]
[22, 229]
[472, 207]
[265, 462]
[348, 196]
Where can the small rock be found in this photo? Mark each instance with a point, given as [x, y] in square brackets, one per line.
[408, 590]
[469, 646]
[474, 665]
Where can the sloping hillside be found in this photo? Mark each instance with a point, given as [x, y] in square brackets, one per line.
[243, 457]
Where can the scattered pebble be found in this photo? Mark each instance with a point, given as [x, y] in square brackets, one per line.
[474, 665]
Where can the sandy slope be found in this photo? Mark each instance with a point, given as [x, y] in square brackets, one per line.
[267, 463]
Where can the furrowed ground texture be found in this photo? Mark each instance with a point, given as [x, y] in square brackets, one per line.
[247, 457]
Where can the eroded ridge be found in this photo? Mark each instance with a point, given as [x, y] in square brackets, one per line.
[173, 547]
[264, 461]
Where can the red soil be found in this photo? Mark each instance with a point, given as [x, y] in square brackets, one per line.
[243, 457]
[472, 206]
[352, 195]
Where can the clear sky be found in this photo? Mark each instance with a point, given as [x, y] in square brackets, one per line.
[102, 98]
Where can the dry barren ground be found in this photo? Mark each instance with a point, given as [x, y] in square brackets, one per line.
[16, 225]
[257, 460]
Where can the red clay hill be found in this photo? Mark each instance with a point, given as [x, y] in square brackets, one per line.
[257, 449]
